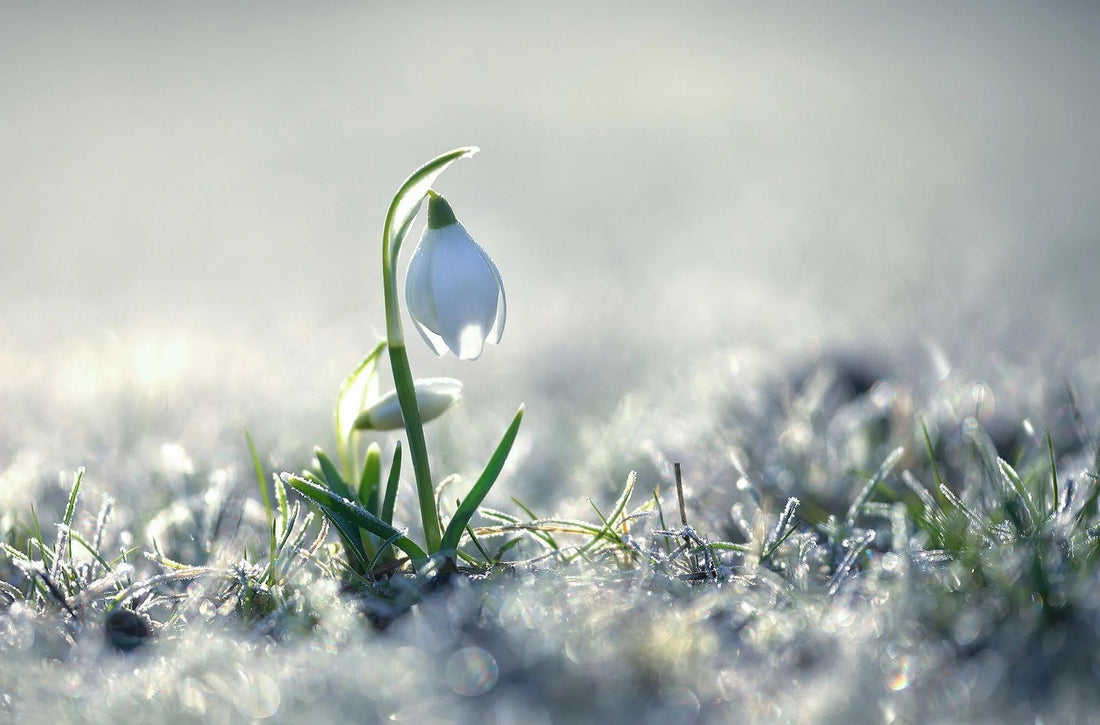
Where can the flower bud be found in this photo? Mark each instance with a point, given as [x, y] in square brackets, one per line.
[433, 396]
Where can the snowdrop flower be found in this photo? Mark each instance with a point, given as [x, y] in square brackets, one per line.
[433, 396]
[453, 288]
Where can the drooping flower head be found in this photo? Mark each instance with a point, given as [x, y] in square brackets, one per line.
[453, 288]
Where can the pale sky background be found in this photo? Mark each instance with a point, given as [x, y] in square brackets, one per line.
[191, 194]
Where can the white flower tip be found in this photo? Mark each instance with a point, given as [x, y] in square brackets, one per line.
[471, 343]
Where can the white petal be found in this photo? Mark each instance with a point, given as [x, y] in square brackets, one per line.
[465, 292]
[435, 342]
[502, 311]
[419, 294]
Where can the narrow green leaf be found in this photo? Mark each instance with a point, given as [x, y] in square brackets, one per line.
[1053, 471]
[390, 500]
[608, 530]
[47, 559]
[599, 514]
[931, 454]
[331, 480]
[331, 475]
[1013, 500]
[531, 514]
[90, 549]
[258, 467]
[936, 477]
[540, 526]
[371, 479]
[280, 499]
[70, 507]
[477, 494]
[349, 534]
[353, 512]
[1028, 506]
[778, 542]
[477, 543]
[661, 519]
[514, 524]
[624, 498]
[382, 549]
[414, 434]
[865, 493]
[729, 546]
[505, 547]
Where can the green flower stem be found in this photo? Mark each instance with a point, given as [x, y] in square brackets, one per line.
[406, 396]
[418, 449]
[399, 218]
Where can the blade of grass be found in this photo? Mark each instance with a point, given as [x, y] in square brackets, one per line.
[477, 544]
[1053, 471]
[505, 547]
[732, 546]
[785, 520]
[1017, 486]
[560, 526]
[857, 547]
[975, 521]
[90, 549]
[865, 493]
[542, 536]
[284, 538]
[280, 499]
[258, 468]
[56, 593]
[37, 537]
[936, 477]
[608, 529]
[64, 541]
[661, 518]
[378, 555]
[531, 515]
[70, 507]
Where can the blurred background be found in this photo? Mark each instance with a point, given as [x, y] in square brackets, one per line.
[192, 195]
